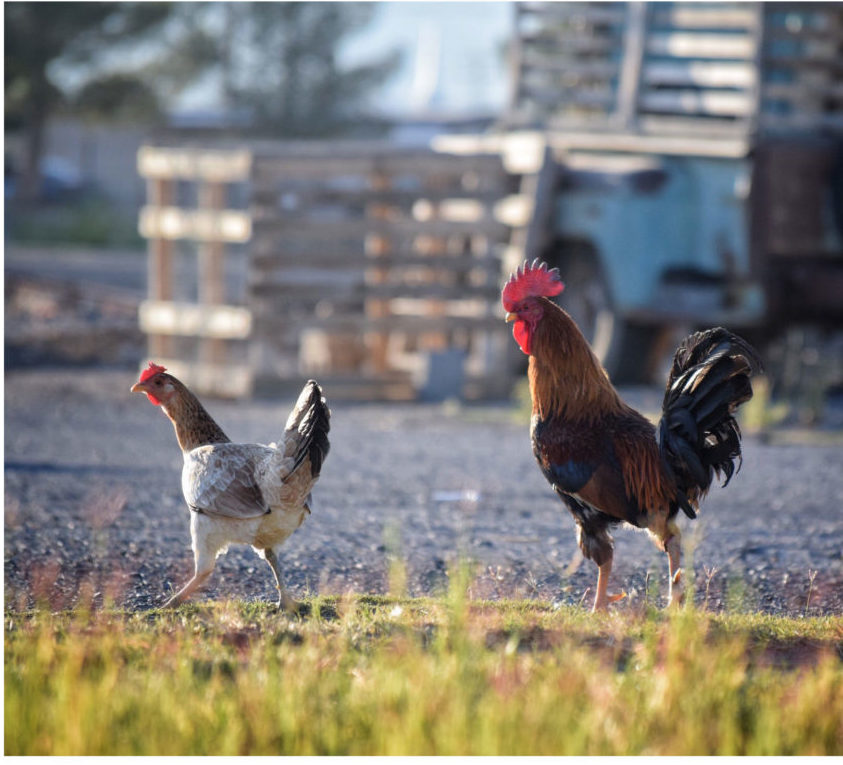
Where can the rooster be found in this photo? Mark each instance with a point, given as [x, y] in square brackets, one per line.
[241, 493]
[607, 462]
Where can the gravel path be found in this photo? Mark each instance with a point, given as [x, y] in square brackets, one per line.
[93, 507]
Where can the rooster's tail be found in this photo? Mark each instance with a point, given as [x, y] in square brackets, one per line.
[698, 434]
[308, 426]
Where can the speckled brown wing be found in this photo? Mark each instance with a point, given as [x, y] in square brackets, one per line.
[220, 479]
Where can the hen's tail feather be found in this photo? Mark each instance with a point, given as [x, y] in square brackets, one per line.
[698, 434]
[310, 420]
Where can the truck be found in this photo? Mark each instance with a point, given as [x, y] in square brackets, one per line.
[690, 169]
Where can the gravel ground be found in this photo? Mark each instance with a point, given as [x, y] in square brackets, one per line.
[93, 508]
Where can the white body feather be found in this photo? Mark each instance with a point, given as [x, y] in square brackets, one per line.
[252, 494]
[245, 493]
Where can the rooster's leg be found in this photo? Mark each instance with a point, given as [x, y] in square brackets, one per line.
[672, 546]
[602, 599]
[284, 600]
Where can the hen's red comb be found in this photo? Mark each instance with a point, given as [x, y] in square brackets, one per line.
[152, 370]
[531, 280]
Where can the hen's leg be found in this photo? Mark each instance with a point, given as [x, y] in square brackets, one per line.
[672, 546]
[284, 600]
[204, 566]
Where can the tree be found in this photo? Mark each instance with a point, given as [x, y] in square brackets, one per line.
[275, 61]
[124, 97]
[278, 61]
[39, 34]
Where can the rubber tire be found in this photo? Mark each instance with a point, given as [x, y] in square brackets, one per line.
[622, 346]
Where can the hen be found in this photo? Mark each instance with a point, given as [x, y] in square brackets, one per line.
[241, 493]
[607, 462]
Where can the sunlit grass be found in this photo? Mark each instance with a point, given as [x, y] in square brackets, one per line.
[378, 675]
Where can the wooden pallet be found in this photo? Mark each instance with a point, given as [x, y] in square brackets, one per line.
[368, 266]
[686, 68]
[192, 328]
[367, 259]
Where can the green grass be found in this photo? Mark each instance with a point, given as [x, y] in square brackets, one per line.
[368, 675]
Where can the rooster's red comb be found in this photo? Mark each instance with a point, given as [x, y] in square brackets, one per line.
[152, 370]
[531, 280]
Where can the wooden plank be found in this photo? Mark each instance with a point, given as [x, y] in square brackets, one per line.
[692, 45]
[290, 249]
[758, 32]
[203, 225]
[212, 252]
[423, 165]
[270, 325]
[393, 259]
[211, 269]
[394, 386]
[630, 78]
[571, 67]
[166, 317]
[433, 291]
[160, 191]
[686, 16]
[331, 230]
[681, 133]
[719, 103]
[349, 219]
[590, 13]
[269, 284]
[291, 197]
[377, 244]
[695, 127]
[699, 73]
[561, 98]
[636, 143]
[224, 380]
[194, 164]
[569, 44]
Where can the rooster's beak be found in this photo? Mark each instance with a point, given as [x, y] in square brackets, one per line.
[138, 387]
[510, 317]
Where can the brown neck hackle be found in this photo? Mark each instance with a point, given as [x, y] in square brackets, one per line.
[566, 378]
[194, 426]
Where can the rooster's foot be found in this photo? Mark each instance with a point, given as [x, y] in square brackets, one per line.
[603, 606]
[676, 594]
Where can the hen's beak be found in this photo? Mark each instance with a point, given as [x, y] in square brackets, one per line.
[510, 317]
[138, 387]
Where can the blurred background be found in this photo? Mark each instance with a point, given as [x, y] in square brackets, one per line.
[256, 193]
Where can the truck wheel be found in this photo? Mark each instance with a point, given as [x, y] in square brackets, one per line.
[622, 347]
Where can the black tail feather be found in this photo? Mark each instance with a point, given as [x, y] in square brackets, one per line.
[698, 434]
[311, 418]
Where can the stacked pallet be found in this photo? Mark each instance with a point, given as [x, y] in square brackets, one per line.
[373, 267]
[377, 269]
[678, 68]
[194, 324]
